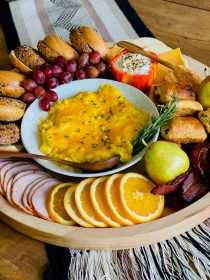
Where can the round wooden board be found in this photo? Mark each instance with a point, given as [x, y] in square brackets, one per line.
[171, 224]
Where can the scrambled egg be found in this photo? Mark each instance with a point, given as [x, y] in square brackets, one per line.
[91, 126]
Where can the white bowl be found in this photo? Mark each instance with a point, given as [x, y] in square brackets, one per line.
[30, 122]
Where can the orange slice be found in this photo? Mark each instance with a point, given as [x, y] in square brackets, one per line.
[97, 195]
[55, 204]
[71, 207]
[137, 200]
[84, 204]
[112, 190]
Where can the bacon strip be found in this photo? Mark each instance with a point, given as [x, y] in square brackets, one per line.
[194, 187]
[170, 187]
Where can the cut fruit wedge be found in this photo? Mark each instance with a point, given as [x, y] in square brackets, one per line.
[112, 194]
[97, 195]
[71, 207]
[84, 204]
[55, 204]
[137, 200]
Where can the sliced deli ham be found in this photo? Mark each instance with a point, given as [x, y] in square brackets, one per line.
[13, 171]
[4, 170]
[39, 198]
[2, 164]
[29, 190]
[16, 177]
[18, 187]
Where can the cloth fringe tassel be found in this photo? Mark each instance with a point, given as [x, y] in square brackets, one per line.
[186, 257]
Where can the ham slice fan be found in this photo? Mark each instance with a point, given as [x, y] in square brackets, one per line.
[25, 186]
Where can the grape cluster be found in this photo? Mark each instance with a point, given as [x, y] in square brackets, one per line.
[41, 82]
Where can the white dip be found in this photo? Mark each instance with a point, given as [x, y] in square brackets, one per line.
[133, 63]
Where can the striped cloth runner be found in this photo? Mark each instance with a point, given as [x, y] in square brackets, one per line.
[33, 19]
[186, 257]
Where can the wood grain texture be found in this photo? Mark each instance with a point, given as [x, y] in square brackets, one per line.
[200, 4]
[109, 238]
[178, 25]
[21, 258]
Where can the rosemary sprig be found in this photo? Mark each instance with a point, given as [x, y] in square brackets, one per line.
[146, 134]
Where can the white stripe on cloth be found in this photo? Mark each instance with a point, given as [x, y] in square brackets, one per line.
[27, 22]
[114, 20]
[185, 257]
[65, 15]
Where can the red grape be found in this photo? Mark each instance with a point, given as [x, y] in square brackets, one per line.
[51, 96]
[80, 74]
[60, 61]
[48, 72]
[95, 57]
[39, 91]
[91, 72]
[46, 65]
[44, 104]
[57, 70]
[101, 67]
[71, 66]
[39, 77]
[29, 84]
[66, 77]
[83, 61]
[52, 82]
[28, 97]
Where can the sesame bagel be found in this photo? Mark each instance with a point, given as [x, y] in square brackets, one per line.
[11, 109]
[86, 39]
[53, 46]
[11, 84]
[9, 134]
[26, 59]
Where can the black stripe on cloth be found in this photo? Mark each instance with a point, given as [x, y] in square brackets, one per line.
[8, 26]
[60, 259]
[134, 19]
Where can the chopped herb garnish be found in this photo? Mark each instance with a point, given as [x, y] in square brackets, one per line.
[94, 145]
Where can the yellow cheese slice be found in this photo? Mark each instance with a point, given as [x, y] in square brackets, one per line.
[175, 57]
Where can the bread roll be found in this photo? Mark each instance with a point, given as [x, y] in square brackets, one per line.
[184, 130]
[164, 92]
[85, 39]
[79, 42]
[183, 75]
[53, 46]
[11, 109]
[11, 148]
[11, 84]
[204, 117]
[187, 108]
[26, 59]
[9, 134]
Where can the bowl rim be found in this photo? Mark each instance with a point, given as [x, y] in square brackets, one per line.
[70, 86]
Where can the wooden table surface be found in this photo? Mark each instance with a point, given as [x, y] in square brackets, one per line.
[178, 23]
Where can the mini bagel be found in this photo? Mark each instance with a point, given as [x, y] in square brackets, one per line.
[9, 134]
[11, 84]
[53, 46]
[86, 39]
[11, 109]
[26, 59]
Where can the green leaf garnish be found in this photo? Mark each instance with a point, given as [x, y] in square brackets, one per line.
[146, 134]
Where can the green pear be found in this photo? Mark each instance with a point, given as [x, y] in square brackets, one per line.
[203, 93]
[165, 161]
